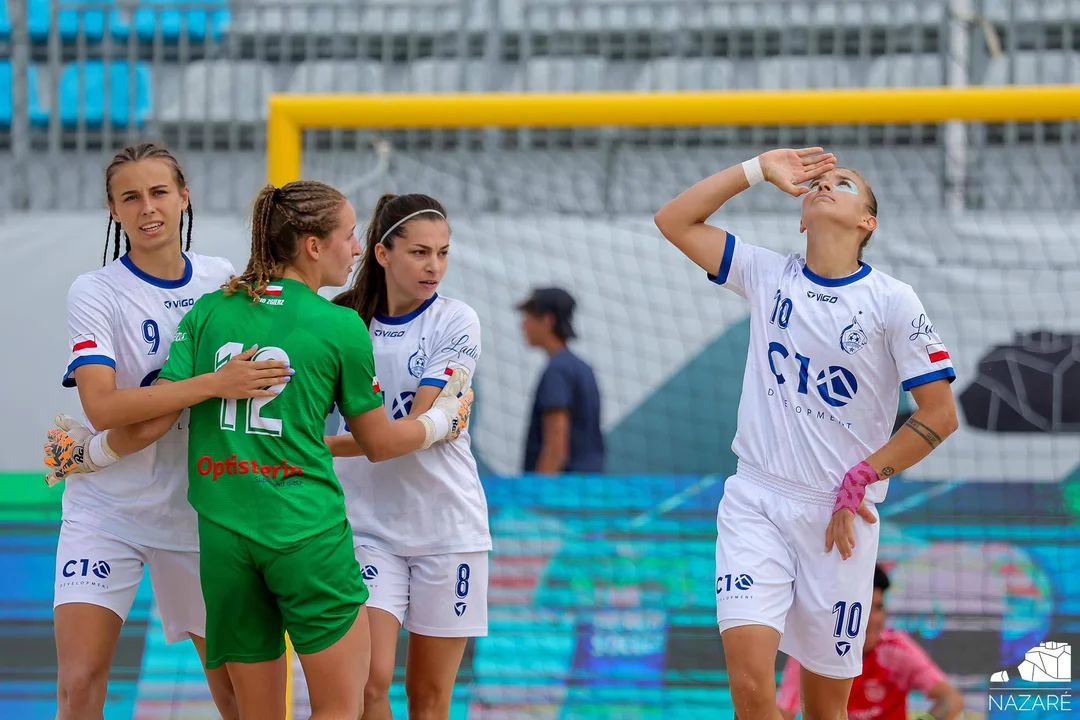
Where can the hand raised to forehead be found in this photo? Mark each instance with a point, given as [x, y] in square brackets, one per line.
[787, 169]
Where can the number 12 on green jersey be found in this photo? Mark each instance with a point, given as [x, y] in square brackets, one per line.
[255, 423]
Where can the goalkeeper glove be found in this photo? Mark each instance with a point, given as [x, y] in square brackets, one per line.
[464, 412]
[73, 448]
[445, 418]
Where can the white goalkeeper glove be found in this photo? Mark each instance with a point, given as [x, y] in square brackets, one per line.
[448, 416]
[73, 448]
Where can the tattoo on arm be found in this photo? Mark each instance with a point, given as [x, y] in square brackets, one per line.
[932, 438]
[887, 472]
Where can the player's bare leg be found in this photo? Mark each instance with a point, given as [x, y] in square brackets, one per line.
[750, 653]
[221, 688]
[337, 675]
[86, 638]
[823, 698]
[431, 669]
[260, 688]
[385, 629]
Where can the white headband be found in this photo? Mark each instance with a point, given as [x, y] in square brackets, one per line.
[408, 217]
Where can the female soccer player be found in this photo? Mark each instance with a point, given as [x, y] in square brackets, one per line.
[134, 513]
[277, 549]
[831, 342]
[420, 525]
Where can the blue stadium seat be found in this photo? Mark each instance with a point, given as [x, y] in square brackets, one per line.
[5, 21]
[82, 93]
[91, 21]
[197, 23]
[38, 116]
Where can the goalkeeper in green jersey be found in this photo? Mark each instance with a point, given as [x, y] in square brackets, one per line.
[277, 552]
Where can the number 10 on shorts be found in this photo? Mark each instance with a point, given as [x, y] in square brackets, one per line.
[848, 622]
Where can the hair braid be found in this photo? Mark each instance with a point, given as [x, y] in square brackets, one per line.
[190, 224]
[116, 240]
[280, 220]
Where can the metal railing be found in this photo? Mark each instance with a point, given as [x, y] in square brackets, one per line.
[90, 77]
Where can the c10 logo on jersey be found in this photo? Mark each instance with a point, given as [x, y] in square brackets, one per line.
[835, 384]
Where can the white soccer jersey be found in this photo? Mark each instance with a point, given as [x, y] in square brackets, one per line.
[431, 501]
[826, 361]
[124, 318]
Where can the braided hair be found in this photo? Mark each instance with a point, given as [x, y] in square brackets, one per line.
[133, 154]
[281, 219]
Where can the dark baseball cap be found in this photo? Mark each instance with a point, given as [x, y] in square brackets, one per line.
[556, 301]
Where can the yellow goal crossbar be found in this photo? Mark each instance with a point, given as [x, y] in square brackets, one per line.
[291, 114]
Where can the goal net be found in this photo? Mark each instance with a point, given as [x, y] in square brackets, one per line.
[601, 603]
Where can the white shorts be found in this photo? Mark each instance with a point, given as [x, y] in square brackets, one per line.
[96, 567]
[772, 569]
[435, 595]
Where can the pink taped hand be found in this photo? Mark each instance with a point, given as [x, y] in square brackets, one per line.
[853, 489]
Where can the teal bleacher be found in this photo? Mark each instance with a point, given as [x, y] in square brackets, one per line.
[152, 19]
[82, 94]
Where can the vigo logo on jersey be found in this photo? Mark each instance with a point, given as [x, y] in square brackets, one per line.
[835, 384]
[182, 303]
[401, 406]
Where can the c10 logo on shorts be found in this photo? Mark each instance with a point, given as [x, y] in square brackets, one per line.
[99, 568]
[741, 582]
[835, 384]
[92, 570]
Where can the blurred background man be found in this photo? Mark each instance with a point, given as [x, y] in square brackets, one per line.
[564, 426]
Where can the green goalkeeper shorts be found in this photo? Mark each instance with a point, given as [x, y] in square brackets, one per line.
[254, 594]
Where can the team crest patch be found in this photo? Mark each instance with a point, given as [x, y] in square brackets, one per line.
[418, 360]
[853, 337]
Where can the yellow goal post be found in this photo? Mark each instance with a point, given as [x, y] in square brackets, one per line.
[291, 114]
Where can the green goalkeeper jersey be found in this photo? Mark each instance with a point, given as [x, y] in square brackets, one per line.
[260, 467]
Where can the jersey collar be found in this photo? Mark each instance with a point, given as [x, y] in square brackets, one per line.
[859, 274]
[402, 319]
[156, 281]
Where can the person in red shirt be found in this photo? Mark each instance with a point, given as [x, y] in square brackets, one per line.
[893, 666]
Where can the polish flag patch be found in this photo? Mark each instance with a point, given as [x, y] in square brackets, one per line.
[375, 384]
[272, 290]
[937, 352]
[83, 342]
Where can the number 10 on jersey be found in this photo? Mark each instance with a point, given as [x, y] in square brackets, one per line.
[255, 423]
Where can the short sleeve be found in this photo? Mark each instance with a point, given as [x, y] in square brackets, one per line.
[920, 355]
[90, 315]
[556, 389]
[358, 387]
[458, 345]
[180, 365]
[788, 696]
[741, 265]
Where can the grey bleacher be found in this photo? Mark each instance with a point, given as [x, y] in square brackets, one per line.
[208, 94]
[218, 91]
[1033, 68]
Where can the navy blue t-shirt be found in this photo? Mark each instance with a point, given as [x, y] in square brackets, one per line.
[568, 383]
